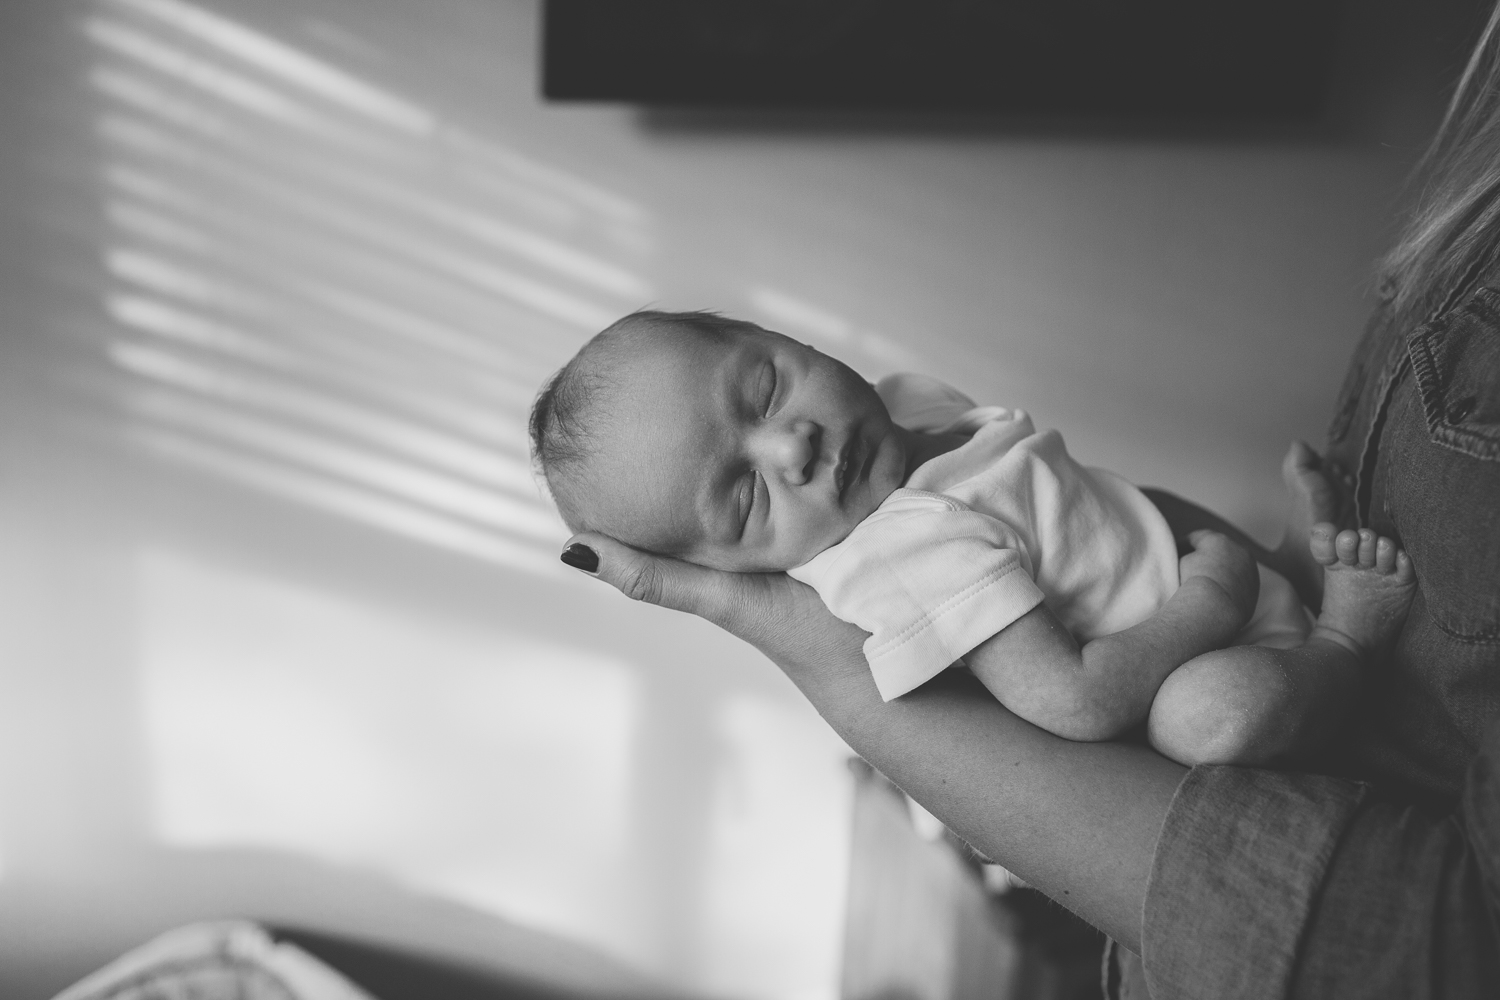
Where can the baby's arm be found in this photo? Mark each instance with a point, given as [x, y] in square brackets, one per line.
[1037, 670]
[1314, 498]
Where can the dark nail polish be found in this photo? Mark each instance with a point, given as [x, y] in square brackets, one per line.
[580, 556]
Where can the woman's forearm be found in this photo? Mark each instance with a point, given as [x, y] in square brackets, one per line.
[1077, 820]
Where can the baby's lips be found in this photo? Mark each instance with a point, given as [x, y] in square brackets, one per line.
[856, 465]
[843, 465]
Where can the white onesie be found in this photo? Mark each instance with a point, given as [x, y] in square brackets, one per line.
[982, 534]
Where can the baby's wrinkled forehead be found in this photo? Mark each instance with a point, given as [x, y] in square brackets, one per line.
[646, 358]
[644, 417]
[638, 484]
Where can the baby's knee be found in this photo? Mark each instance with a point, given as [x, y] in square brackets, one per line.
[1224, 707]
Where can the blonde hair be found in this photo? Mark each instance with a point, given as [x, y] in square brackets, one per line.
[1453, 232]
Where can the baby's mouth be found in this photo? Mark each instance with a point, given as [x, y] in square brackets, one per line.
[841, 471]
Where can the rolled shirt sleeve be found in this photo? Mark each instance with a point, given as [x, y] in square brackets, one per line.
[1270, 885]
[929, 579]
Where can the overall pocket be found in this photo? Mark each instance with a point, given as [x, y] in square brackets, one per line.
[1456, 364]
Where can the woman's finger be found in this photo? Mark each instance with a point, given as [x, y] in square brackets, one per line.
[782, 618]
[669, 583]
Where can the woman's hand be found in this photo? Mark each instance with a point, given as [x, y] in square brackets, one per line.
[781, 617]
[1077, 820]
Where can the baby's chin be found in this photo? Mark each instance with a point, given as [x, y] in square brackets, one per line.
[752, 561]
[744, 562]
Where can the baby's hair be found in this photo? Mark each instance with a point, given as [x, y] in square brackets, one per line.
[570, 405]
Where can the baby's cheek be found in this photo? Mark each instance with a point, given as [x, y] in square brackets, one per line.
[889, 472]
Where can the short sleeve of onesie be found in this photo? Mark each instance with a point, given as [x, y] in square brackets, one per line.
[929, 579]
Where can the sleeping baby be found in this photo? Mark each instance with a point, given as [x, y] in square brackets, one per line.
[956, 533]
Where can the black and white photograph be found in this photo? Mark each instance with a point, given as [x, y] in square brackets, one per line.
[749, 500]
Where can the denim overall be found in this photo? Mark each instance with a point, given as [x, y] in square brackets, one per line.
[1415, 444]
[1250, 860]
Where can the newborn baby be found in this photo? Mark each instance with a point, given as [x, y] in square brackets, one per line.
[953, 533]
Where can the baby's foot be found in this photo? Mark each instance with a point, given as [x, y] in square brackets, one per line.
[1314, 499]
[1368, 584]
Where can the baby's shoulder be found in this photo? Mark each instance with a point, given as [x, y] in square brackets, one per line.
[909, 514]
[984, 456]
[931, 406]
[908, 501]
[901, 514]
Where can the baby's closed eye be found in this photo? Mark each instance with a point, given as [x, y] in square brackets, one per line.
[745, 497]
[766, 388]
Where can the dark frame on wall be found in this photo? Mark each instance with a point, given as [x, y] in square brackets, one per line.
[1270, 60]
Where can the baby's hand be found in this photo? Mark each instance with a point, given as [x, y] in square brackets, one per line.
[1229, 565]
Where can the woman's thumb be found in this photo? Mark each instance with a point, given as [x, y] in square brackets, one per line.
[642, 576]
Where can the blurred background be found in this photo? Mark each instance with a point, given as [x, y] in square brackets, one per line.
[283, 630]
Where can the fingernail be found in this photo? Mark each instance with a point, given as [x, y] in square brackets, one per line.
[580, 556]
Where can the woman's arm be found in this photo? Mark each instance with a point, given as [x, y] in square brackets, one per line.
[1273, 884]
[1243, 883]
[1104, 689]
[1077, 820]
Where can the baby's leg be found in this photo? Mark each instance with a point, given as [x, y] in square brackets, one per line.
[1252, 704]
[1255, 704]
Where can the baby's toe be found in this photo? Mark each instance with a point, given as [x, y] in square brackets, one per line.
[1347, 546]
[1385, 556]
[1405, 572]
[1367, 543]
[1320, 541]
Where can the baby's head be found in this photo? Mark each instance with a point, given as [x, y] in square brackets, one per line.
[714, 440]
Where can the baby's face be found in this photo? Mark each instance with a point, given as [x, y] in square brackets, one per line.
[753, 453]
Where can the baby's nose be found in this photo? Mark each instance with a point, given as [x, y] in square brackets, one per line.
[791, 449]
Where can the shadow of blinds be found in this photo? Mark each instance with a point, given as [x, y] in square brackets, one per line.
[320, 290]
